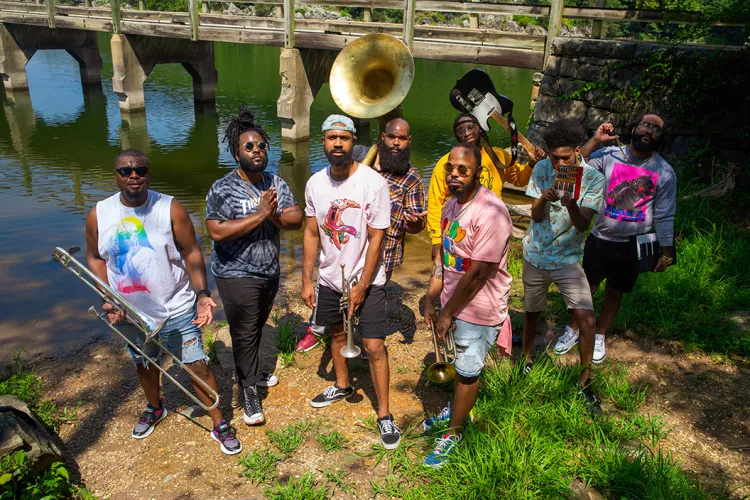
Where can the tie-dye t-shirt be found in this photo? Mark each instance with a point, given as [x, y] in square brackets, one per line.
[554, 242]
[479, 231]
[256, 254]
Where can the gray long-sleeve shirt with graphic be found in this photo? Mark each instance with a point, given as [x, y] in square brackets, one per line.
[637, 197]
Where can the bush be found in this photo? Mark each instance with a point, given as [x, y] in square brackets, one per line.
[17, 481]
[27, 387]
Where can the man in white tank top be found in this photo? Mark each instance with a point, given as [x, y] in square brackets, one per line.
[143, 244]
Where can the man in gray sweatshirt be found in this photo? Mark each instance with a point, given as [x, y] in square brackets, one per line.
[640, 194]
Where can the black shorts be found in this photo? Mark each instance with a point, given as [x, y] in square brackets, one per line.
[610, 260]
[372, 316]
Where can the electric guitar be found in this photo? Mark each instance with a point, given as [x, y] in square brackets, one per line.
[475, 94]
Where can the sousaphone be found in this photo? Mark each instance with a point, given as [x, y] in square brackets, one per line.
[371, 76]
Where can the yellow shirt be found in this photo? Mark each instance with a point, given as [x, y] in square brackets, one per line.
[518, 175]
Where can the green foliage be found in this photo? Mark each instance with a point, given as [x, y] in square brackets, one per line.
[286, 343]
[263, 9]
[18, 483]
[533, 435]
[388, 15]
[304, 488]
[209, 344]
[259, 466]
[331, 441]
[167, 5]
[27, 387]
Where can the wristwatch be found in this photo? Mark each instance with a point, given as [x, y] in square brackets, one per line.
[205, 292]
[667, 260]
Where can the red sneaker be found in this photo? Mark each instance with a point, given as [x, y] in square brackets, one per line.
[309, 342]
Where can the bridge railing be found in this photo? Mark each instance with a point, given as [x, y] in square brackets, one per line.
[433, 42]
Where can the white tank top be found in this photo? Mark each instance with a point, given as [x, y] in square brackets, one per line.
[143, 262]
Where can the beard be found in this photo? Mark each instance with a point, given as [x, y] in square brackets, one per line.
[339, 161]
[645, 147]
[248, 166]
[394, 163]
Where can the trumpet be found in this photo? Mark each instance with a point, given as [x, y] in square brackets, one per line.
[139, 319]
[442, 370]
[349, 350]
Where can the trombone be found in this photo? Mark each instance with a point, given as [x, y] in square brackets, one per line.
[442, 370]
[349, 350]
[139, 319]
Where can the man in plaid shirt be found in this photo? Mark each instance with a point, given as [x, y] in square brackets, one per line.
[407, 202]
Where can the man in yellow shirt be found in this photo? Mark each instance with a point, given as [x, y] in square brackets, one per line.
[494, 173]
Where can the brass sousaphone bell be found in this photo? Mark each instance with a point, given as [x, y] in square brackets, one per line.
[371, 76]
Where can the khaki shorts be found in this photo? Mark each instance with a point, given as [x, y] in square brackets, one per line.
[571, 280]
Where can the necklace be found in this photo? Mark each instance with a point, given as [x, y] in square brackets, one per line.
[466, 205]
[629, 156]
[247, 183]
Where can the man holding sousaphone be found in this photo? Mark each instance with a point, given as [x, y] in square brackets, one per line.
[473, 283]
[348, 210]
[142, 243]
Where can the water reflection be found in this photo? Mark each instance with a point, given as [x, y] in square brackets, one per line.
[58, 141]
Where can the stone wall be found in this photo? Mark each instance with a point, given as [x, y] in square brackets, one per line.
[573, 63]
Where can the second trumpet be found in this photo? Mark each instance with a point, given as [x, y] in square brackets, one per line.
[349, 350]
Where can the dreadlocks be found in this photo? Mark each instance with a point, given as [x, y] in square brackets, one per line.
[240, 124]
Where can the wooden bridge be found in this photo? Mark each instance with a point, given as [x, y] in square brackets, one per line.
[138, 41]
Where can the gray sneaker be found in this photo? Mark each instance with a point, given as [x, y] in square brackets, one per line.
[224, 435]
[268, 379]
[149, 418]
[253, 414]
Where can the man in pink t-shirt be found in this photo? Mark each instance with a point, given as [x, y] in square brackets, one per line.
[474, 280]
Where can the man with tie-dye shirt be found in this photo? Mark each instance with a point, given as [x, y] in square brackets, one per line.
[553, 246]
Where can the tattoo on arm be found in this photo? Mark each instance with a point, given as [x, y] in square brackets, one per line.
[437, 271]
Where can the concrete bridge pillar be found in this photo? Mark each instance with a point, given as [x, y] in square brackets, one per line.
[19, 42]
[302, 72]
[134, 56]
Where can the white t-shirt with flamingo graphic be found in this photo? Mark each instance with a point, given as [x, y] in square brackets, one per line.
[344, 210]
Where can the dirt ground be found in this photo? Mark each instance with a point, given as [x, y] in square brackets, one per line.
[703, 399]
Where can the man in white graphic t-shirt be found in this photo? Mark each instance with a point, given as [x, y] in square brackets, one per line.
[348, 210]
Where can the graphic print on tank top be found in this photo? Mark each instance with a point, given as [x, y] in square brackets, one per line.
[630, 191]
[453, 234]
[130, 240]
[333, 227]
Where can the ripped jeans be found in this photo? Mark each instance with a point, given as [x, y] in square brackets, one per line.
[473, 342]
[179, 335]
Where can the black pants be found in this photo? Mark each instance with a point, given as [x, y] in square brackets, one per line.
[247, 304]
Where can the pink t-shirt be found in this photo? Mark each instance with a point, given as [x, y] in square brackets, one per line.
[344, 210]
[477, 231]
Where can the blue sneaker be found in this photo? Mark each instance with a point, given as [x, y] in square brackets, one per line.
[443, 417]
[439, 455]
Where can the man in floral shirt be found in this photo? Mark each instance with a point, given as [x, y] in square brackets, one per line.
[553, 246]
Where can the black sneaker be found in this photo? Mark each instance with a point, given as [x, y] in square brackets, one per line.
[516, 340]
[268, 379]
[390, 434]
[225, 436]
[331, 395]
[253, 409]
[592, 402]
[149, 418]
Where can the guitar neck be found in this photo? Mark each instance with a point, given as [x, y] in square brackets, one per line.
[523, 140]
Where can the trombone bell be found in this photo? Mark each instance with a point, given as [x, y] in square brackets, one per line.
[371, 76]
[442, 370]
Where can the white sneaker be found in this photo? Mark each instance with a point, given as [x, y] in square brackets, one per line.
[268, 379]
[600, 351]
[567, 341]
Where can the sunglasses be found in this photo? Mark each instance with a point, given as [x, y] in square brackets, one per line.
[250, 145]
[650, 127]
[463, 170]
[128, 171]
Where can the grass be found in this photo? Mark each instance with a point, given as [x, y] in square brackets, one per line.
[209, 344]
[259, 466]
[331, 441]
[306, 487]
[288, 438]
[532, 436]
[286, 342]
[19, 480]
[27, 386]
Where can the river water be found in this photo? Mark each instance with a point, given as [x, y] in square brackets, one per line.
[58, 141]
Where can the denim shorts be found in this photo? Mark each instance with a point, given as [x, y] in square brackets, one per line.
[473, 342]
[179, 335]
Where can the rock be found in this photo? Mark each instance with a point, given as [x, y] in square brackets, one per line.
[551, 109]
[623, 77]
[550, 86]
[20, 430]
[595, 117]
[465, 23]
[579, 491]
[511, 25]
[591, 72]
[233, 10]
[576, 47]
[317, 12]
[562, 66]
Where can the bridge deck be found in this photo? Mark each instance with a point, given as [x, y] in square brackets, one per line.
[478, 46]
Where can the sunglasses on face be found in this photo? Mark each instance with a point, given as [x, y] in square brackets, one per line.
[650, 127]
[463, 170]
[250, 145]
[464, 128]
[128, 171]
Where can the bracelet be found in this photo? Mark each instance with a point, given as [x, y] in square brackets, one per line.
[205, 292]
[667, 260]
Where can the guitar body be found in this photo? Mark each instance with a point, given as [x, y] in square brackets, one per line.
[474, 93]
